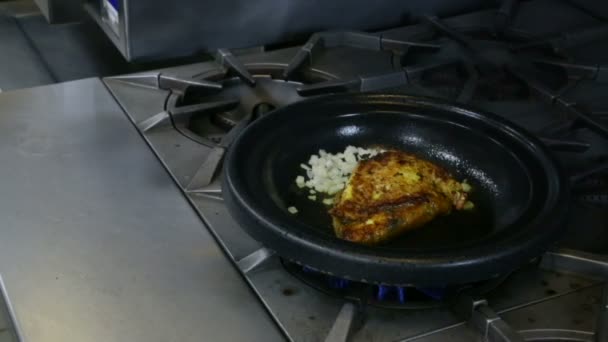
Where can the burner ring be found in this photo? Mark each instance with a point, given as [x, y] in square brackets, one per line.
[397, 298]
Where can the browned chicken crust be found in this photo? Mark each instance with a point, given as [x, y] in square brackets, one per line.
[392, 193]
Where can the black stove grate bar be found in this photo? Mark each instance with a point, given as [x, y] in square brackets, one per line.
[373, 82]
[597, 169]
[598, 73]
[403, 45]
[567, 40]
[601, 114]
[542, 91]
[338, 86]
[178, 84]
[305, 54]
[470, 86]
[439, 26]
[227, 60]
[180, 115]
[552, 98]
[361, 83]
[504, 15]
[202, 108]
[474, 63]
[571, 84]
[565, 145]
[416, 71]
[206, 172]
[585, 117]
[559, 128]
[353, 39]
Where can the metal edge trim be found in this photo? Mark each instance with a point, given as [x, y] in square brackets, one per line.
[11, 311]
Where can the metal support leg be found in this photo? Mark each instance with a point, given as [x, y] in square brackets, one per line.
[206, 172]
[254, 259]
[343, 326]
[153, 121]
[481, 317]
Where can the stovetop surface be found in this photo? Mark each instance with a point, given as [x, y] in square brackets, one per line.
[542, 71]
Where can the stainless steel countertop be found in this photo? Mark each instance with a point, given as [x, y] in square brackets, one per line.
[96, 241]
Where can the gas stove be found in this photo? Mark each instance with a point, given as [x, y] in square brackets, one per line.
[548, 75]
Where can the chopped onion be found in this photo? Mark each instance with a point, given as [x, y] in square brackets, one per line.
[328, 173]
[292, 210]
[300, 182]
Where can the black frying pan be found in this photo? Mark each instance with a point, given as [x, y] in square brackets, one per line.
[521, 195]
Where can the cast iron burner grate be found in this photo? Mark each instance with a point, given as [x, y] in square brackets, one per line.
[388, 296]
[481, 72]
[214, 116]
[270, 91]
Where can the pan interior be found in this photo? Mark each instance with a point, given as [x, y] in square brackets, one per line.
[500, 176]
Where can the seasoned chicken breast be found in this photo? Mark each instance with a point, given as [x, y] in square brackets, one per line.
[391, 193]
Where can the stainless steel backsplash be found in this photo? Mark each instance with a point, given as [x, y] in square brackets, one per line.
[156, 29]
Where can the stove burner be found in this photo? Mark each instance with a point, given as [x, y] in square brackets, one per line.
[269, 91]
[481, 73]
[488, 57]
[387, 296]
[228, 119]
[202, 115]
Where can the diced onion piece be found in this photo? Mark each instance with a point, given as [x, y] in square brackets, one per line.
[300, 182]
[468, 205]
[328, 173]
[328, 201]
[292, 210]
[312, 197]
[466, 187]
